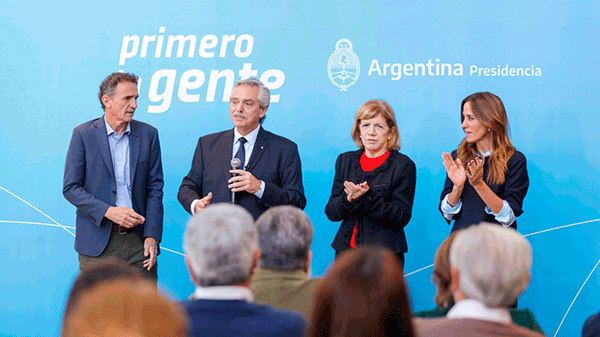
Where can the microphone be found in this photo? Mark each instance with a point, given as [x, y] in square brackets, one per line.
[235, 164]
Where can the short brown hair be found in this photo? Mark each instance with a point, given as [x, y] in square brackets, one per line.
[125, 308]
[370, 109]
[108, 85]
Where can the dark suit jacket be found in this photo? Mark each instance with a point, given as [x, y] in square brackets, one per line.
[274, 160]
[89, 183]
[240, 318]
[380, 214]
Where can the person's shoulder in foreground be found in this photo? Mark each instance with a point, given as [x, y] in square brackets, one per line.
[242, 318]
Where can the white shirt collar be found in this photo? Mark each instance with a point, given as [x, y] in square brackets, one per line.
[224, 293]
[110, 130]
[251, 137]
[473, 309]
[487, 154]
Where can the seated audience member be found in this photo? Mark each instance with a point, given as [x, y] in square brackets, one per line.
[109, 269]
[443, 296]
[362, 295]
[221, 244]
[125, 307]
[490, 266]
[591, 328]
[283, 280]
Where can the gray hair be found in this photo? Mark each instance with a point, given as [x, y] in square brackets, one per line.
[264, 94]
[493, 262]
[108, 85]
[220, 243]
[285, 236]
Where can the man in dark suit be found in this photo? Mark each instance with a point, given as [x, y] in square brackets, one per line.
[270, 173]
[113, 175]
[221, 246]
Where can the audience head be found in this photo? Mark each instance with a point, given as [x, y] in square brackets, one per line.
[285, 235]
[491, 264]
[125, 308]
[109, 269]
[441, 272]
[221, 244]
[363, 295]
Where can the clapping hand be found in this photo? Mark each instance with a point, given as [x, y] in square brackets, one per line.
[455, 170]
[475, 172]
[354, 191]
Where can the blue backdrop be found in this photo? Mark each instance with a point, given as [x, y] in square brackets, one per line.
[424, 58]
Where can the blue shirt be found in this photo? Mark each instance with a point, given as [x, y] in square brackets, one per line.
[119, 152]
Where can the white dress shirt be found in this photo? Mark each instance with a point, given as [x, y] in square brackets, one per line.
[224, 293]
[473, 309]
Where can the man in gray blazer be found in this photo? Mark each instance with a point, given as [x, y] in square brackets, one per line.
[113, 175]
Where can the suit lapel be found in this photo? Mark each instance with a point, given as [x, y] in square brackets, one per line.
[259, 148]
[134, 148]
[225, 147]
[103, 146]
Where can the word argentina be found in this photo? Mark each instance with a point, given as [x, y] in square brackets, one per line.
[185, 83]
[397, 70]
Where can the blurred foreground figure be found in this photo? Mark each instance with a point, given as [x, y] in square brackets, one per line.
[221, 244]
[443, 297]
[363, 295]
[490, 266]
[283, 280]
[125, 308]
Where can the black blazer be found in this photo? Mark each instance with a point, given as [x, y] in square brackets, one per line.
[274, 160]
[513, 191]
[382, 212]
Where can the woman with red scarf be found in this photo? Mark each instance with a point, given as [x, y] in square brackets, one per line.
[374, 187]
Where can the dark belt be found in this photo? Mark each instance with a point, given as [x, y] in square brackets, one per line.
[122, 230]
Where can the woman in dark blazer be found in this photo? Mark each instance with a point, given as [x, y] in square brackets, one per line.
[374, 187]
[486, 176]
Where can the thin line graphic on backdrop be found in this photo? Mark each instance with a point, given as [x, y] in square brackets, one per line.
[526, 235]
[56, 224]
[35, 223]
[37, 209]
[576, 295]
